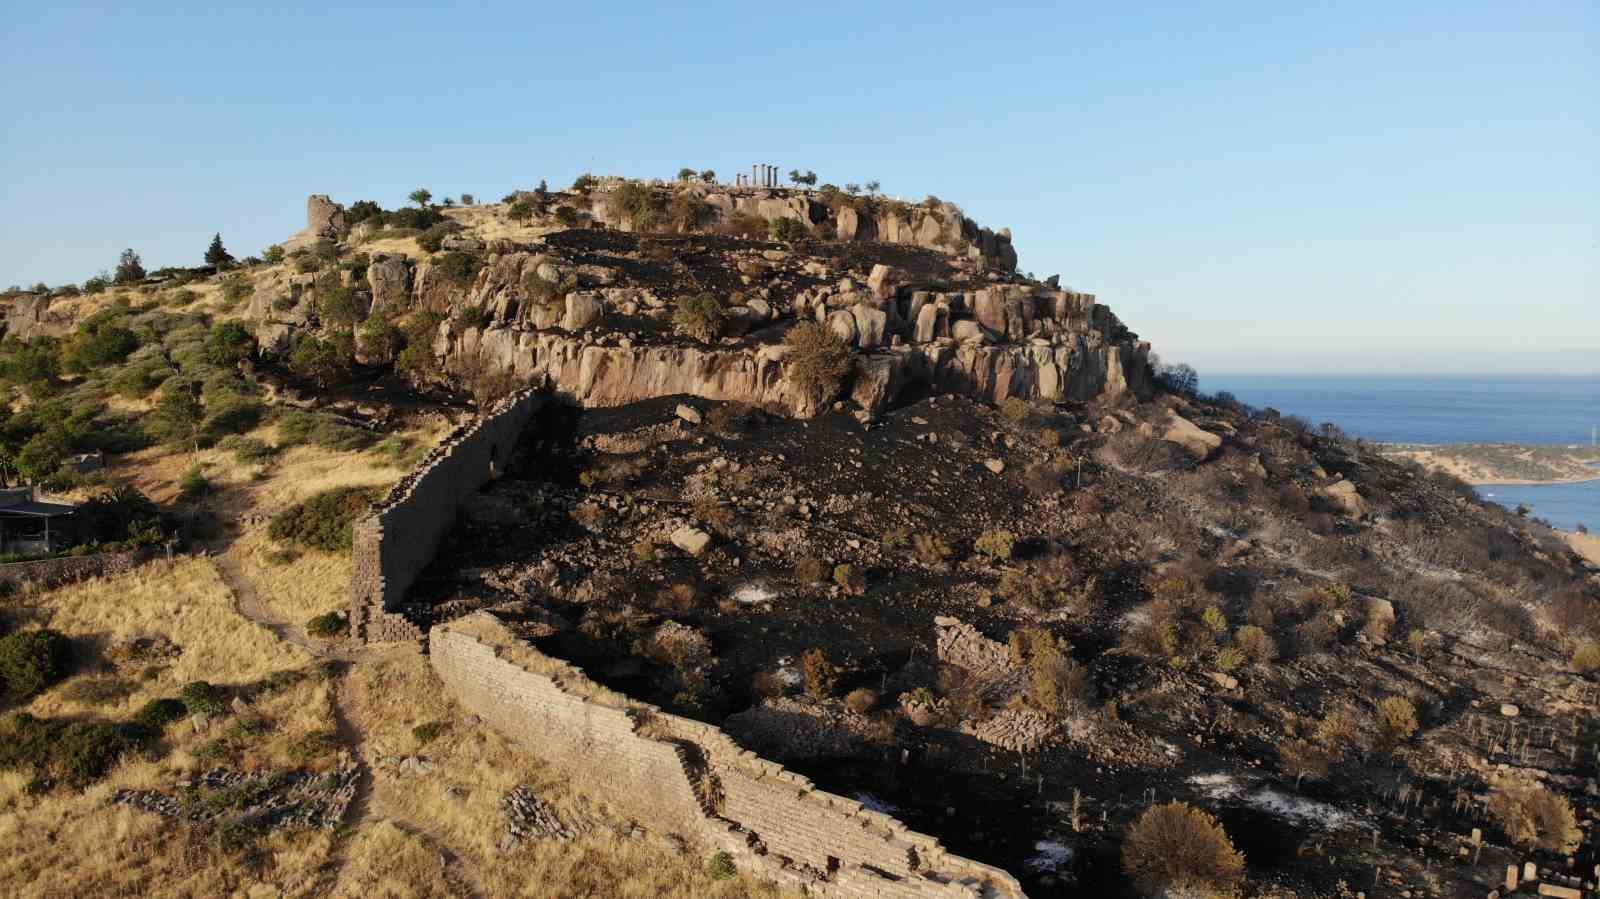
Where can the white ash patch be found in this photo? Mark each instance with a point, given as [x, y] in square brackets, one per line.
[875, 804]
[1050, 857]
[754, 592]
[1274, 802]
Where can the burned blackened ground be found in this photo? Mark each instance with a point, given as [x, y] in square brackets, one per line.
[688, 553]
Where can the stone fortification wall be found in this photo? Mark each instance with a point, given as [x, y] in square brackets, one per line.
[688, 777]
[391, 546]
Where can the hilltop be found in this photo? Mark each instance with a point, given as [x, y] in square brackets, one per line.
[814, 471]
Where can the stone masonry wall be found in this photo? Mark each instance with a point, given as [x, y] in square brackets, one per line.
[50, 572]
[688, 777]
[392, 545]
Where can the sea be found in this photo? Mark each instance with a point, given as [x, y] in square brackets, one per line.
[1436, 409]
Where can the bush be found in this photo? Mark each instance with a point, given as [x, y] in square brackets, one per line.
[201, 698]
[32, 662]
[194, 483]
[810, 570]
[318, 360]
[1397, 721]
[322, 521]
[1534, 817]
[699, 316]
[1015, 409]
[432, 240]
[818, 359]
[228, 344]
[158, 713]
[720, 867]
[932, 549]
[327, 626]
[1180, 849]
[996, 545]
[851, 579]
[428, 732]
[1057, 684]
[861, 700]
[1047, 585]
[313, 746]
[247, 450]
[1255, 643]
[786, 229]
[1229, 658]
[633, 201]
[236, 288]
[821, 677]
[1586, 658]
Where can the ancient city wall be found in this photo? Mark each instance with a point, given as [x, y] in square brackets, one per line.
[392, 545]
[684, 776]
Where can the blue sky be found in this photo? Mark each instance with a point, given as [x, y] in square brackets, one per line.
[1253, 187]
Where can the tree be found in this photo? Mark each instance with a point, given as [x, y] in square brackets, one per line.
[708, 176]
[852, 188]
[873, 187]
[272, 255]
[806, 179]
[421, 196]
[685, 174]
[217, 254]
[468, 199]
[1177, 849]
[1181, 379]
[129, 269]
[228, 344]
[1534, 817]
[178, 414]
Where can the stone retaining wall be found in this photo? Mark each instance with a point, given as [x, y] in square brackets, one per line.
[392, 545]
[687, 777]
[50, 572]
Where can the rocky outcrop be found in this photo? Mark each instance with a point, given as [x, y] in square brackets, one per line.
[30, 316]
[324, 220]
[389, 276]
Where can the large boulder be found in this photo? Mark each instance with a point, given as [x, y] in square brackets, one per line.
[584, 308]
[390, 278]
[1195, 441]
[1343, 496]
[870, 325]
[927, 324]
[884, 282]
[989, 305]
[847, 224]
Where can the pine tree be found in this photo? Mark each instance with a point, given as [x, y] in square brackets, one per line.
[217, 254]
[129, 268]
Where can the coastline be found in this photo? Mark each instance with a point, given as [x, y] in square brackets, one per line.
[1531, 483]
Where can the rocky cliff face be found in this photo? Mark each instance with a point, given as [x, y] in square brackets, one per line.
[927, 299]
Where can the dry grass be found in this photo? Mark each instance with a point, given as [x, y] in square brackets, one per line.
[65, 843]
[490, 221]
[1587, 545]
[183, 600]
[457, 807]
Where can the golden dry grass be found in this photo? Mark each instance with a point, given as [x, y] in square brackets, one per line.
[1587, 545]
[183, 600]
[457, 807]
[66, 843]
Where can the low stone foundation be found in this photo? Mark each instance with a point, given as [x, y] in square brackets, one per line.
[682, 776]
[51, 572]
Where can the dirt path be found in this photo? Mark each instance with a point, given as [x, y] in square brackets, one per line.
[369, 804]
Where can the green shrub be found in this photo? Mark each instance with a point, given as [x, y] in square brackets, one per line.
[78, 752]
[32, 661]
[720, 867]
[248, 450]
[272, 255]
[158, 713]
[997, 545]
[322, 521]
[932, 549]
[821, 677]
[313, 746]
[457, 266]
[818, 359]
[236, 288]
[635, 202]
[202, 698]
[786, 229]
[319, 360]
[1397, 721]
[428, 732]
[328, 625]
[1015, 409]
[194, 483]
[431, 239]
[699, 316]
